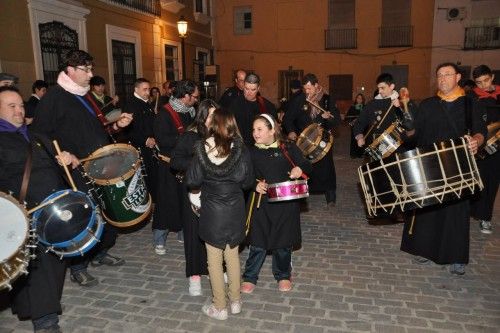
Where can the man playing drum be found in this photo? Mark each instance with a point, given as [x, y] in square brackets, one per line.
[38, 295]
[440, 233]
[67, 114]
[488, 95]
[301, 114]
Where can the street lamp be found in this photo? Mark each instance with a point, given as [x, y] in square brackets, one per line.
[182, 27]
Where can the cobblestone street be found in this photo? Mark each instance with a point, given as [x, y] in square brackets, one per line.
[349, 276]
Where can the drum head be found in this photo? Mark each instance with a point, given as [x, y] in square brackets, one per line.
[112, 161]
[113, 115]
[13, 227]
[64, 219]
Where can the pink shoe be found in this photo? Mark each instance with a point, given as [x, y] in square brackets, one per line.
[213, 312]
[285, 285]
[247, 287]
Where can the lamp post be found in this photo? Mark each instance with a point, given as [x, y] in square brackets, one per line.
[182, 27]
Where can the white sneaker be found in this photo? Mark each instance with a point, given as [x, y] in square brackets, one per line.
[195, 285]
[236, 307]
[212, 312]
[160, 250]
[225, 277]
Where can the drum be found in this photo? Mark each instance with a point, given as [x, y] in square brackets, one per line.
[118, 175]
[195, 199]
[15, 241]
[291, 190]
[417, 178]
[491, 145]
[315, 142]
[70, 226]
[113, 115]
[386, 143]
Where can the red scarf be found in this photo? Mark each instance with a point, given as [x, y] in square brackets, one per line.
[487, 94]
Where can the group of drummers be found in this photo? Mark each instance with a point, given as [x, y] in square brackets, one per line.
[226, 174]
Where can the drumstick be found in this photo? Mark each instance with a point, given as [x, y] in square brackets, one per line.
[260, 194]
[58, 150]
[90, 158]
[107, 104]
[51, 201]
[249, 216]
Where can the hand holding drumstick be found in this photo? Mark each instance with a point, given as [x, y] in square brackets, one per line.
[261, 188]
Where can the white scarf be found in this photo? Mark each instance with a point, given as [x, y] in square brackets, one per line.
[139, 97]
[393, 96]
[70, 86]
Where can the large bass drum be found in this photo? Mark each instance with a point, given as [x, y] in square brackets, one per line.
[15, 241]
[420, 177]
[315, 142]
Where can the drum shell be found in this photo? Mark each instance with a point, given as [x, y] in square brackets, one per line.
[315, 142]
[290, 190]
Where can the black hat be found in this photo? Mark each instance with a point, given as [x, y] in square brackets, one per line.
[10, 77]
[295, 84]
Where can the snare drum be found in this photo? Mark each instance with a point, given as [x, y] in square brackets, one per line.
[15, 241]
[291, 190]
[113, 115]
[386, 143]
[118, 174]
[195, 200]
[490, 146]
[315, 142]
[70, 226]
[420, 177]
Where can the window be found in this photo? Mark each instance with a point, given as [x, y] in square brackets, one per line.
[124, 68]
[341, 13]
[201, 11]
[171, 62]
[242, 20]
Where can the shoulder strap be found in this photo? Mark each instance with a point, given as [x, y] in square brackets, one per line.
[26, 174]
[262, 104]
[287, 156]
[175, 118]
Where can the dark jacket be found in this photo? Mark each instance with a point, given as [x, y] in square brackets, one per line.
[222, 214]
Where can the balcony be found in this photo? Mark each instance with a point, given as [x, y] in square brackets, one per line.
[482, 38]
[144, 6]
[395, 36]
[340, 39]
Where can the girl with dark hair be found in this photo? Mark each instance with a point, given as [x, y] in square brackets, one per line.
[222, 169]
[182, 154]
[275, 226]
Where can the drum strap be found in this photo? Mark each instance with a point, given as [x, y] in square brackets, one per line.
[262, 104]
[26, 175]
[96, 108]
[175, 118]
[287, 156]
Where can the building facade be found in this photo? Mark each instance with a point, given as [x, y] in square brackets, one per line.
[128, 39]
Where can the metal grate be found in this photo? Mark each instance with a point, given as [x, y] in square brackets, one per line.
[482, 38]
[55, 40]
[146, 6]
[395, 36]
[341, 39]
[124, 68]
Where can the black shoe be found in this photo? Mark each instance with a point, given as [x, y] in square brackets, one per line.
[83, 278]
[108, 260]
[421, 260]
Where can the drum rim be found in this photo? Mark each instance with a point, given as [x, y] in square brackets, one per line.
[27, 220]
[133, 222]
[288, 197]
[324, 151]
[125, 176]
[78, 237]
[302, 137]
[290, 182]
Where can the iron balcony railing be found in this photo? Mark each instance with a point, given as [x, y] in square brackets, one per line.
[482, 38]
[395, 36]
[341, 38]
[146, 6]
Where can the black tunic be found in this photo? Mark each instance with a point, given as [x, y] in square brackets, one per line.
[229, 96]
[168, 208]
[30, 106]
[139, 130]
[323, 177]
[276, 225]
[38, 293]
[194, 248]
[441, 232]
[245, 112]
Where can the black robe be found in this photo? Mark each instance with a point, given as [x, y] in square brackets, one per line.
[245, 112]
[39, 293]
[276, 225]
[194, 248]
[441, 232]
[140, 129]
[229, 96]
[30, 106]
[170, 191]
[323, 177]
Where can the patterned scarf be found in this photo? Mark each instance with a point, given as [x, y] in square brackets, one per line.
[179, 107]
[70, 86]
[453, 95]
[316, 97]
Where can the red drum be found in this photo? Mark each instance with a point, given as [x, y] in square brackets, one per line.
[291, 190]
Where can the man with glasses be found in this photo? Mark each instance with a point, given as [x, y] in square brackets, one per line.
[440, 233]
[171, 121]
[237, 90]
[67, 115]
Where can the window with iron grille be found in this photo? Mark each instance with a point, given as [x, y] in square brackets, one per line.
[124, 68]
[146, 6]
[396, 29]
[242, 20]
[55, 40]
[171, 62]
[341, 32]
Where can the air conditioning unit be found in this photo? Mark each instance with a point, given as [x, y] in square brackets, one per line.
[456, 13]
